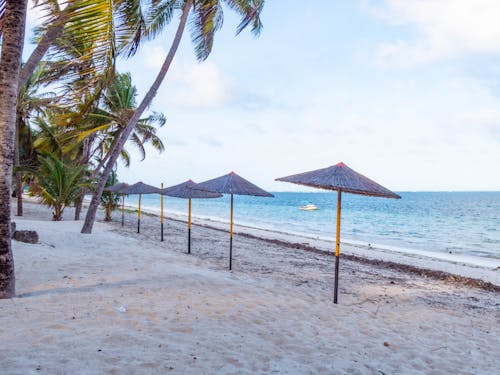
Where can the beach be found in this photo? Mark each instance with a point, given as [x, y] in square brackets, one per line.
[119, 302]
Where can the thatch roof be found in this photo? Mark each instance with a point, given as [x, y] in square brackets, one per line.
[117, 188]
[232, 184]
[141, 188]
[342, 178]
[185, 190]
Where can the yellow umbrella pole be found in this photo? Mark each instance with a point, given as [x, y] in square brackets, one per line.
[337, 250]
[231, 236]
[139, 215]
[123, 209]
[161, 214]
[189, 226]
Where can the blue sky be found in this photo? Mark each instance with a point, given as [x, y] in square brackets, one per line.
[405, 92]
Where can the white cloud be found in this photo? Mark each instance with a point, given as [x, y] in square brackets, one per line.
[198, 85]
[153, 56]
[486, 116]
[187, 84]
[484, 119]
[445, 29]
[34, 15]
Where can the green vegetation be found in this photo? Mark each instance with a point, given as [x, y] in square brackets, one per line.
[109, 200]
[75, 115]
[58, 183]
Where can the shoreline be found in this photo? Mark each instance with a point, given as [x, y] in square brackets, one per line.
[431, 264]
[409, 269]
[440, 235]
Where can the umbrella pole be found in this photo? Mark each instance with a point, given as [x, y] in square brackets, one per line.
[231, 236]
[123, 209]
[337, 250]
[139, 215]
[189, 226]
[161, 215]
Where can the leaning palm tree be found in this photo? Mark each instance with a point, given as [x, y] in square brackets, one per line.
[103, 127]
[207, 16]
[57, 183]
[12, 35]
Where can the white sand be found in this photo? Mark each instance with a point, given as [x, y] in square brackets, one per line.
[117, 302]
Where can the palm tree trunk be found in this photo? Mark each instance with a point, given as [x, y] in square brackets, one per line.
[18, 176]
[12, 46]
[84, 161]
[115, 152]
[79, 204]
[108, 154]
[36, 56]
[57, 214]
[26, 71]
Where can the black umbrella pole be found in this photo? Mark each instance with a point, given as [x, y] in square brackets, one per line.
[189, 226]
[161, 214]
[336, 286]
[231, 236]
[123, 209]
[230, 253]
[139, 216]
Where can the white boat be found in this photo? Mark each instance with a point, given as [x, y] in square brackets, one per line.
[309, 207]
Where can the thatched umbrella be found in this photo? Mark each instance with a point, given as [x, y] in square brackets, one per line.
[141, 188]
[232, 184]
[345, 180]
[119, 188]
[186, 191]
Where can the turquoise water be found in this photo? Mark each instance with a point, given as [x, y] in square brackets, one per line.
[457, 222]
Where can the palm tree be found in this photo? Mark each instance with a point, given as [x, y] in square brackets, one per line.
[12, 34]
[110, 200]
[53, 30]
[103, 127]
[57, 183]
[30, 102]
[207, 19]
[106, 124]
[104, 28]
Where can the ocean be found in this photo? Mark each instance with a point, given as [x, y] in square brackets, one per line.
[466, 223]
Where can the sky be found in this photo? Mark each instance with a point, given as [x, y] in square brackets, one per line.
[405, 92]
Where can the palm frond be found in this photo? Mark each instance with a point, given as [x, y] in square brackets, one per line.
[249, 10]
[206, 20]
[137, 141]
[85, 52]
[57, 183]
[160, 15]
[125, 156]
[132, 26]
